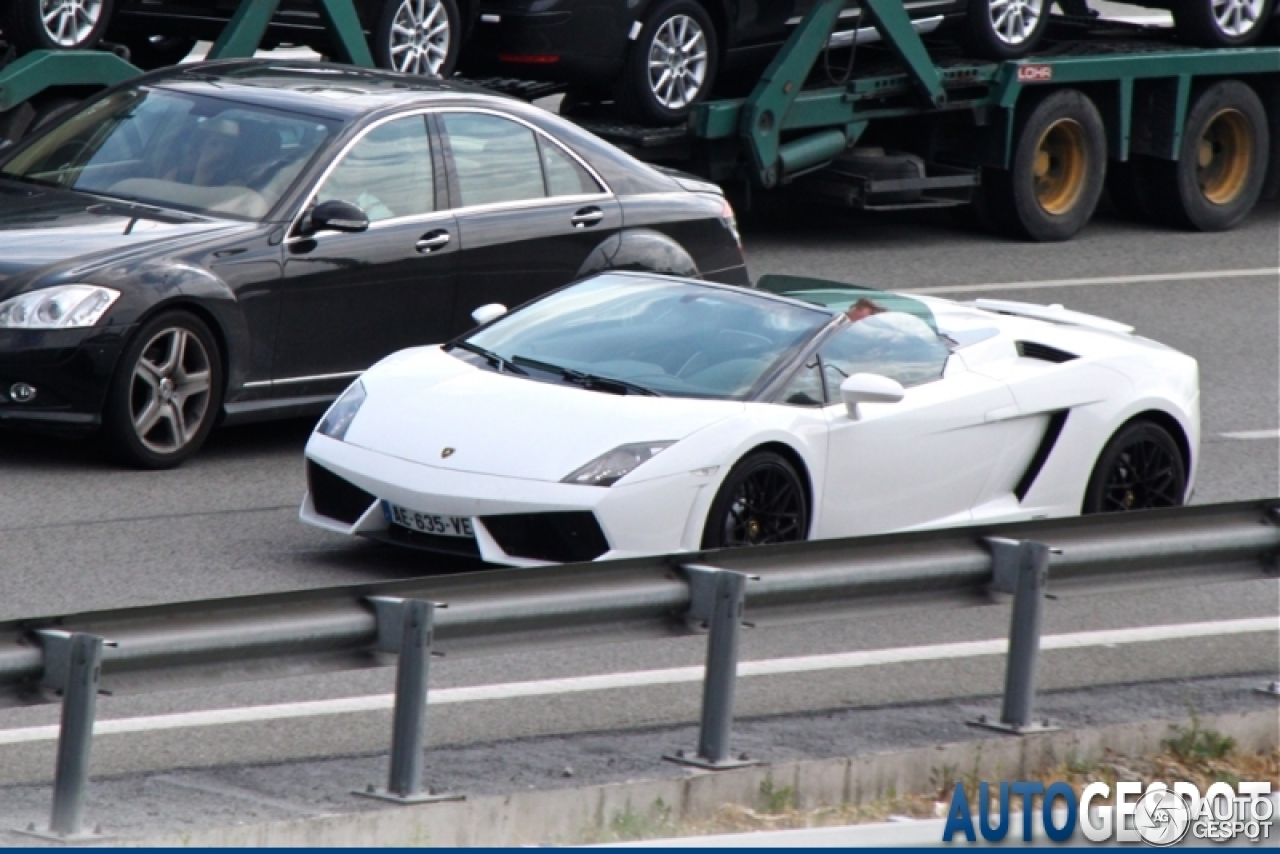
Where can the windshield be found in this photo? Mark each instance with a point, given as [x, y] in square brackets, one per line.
[659, 336]
[175, 150]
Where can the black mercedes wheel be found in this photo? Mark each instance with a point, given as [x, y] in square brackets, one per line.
[1222, 23]
[56, 24]
[1004, 29]
[165, 394]
[151, 52]
[419, 37]
[1139, 469]
[671, 65]
[762, 501]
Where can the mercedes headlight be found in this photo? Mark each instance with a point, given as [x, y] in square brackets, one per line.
[337, 420]
[59, 307]
[608, 469]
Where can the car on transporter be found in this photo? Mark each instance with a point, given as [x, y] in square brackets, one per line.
[656, 58]
[233, 241]
[630, 415]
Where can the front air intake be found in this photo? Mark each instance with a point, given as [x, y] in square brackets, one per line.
[334, 497]
[556, 537]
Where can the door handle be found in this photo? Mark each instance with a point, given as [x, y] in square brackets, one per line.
[586, 217]
[432, 240]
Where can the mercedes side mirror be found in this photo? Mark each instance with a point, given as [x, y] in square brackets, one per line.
[869, 388]
[337, 215]
[486, 313]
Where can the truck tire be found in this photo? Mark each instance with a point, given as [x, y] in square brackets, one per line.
[1218, 175]
[1057, 174]
[670, 66]
[1222, 23]
[56, 24]
[1004, 29]
[418, 37]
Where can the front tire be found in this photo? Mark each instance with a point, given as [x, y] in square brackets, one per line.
[1221, 23]
[56, 24]
[152, 52]
[671, 65]
[1004, 29]
[762, 501]
[419, 37]
[1140, 468]
[1058, 171]
[166, 392]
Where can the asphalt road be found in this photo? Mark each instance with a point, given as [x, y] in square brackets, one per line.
[79, 534]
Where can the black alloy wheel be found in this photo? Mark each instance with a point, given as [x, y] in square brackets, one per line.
[55, 24]
[1221, 165]
[671, 65]
[1058, 172]
[419, 37]
[762, 501]
[166, 392]
[1004, 29]
[1222, 23]
[1141, 468]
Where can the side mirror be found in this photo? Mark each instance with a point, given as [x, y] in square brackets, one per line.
[486, 313]
[337, 215]
[869, 388]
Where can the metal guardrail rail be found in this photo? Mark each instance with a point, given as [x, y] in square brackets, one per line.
[266, 636]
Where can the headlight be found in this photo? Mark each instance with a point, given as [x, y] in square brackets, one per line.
[608, 469]
[60, 307]
[337, 420]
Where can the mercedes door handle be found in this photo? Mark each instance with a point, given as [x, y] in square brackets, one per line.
[432, 240]
[586, 217]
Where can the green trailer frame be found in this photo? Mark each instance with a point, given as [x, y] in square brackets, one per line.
[785, 129]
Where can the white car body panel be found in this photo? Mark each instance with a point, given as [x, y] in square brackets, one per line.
[950, 453]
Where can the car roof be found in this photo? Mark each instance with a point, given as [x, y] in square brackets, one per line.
[318, 88]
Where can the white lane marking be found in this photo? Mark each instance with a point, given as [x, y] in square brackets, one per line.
[1252, 434]
[1036, 284]
[670, 676]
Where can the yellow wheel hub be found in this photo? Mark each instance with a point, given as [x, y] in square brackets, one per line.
[1224, 157]
[1060, 167]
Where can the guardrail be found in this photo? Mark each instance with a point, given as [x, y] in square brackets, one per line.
[266, 636]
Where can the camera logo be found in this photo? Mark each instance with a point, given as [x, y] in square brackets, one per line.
[1162, 818]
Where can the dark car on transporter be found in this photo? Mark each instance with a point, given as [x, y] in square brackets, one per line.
[416, 36]
[235, 241]
[656, 58]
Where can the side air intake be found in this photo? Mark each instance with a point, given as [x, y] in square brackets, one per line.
[1043, 352]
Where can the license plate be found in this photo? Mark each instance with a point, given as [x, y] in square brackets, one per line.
[428, 523]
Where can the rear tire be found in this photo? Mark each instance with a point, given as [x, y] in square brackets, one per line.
[670, 66]
[56, 24]
[166, 393]
[1218, 175]
[1222, 23]
[761, 501]
[1057, 175]
[1140, 468]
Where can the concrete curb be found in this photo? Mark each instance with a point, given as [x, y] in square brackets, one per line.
[569, 816]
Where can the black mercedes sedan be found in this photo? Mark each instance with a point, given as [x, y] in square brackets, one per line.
[235, 241]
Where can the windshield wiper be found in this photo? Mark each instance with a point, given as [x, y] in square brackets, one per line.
[586, 380]
[492, 358]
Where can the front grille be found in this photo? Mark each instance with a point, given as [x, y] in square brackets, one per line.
[402, 536]
[1043, 352]
[334, 497]
[557, 537]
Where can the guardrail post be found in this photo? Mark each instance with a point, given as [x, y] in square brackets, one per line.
[73, 665]
[405, 627]
[716, 597]
[1020, 567]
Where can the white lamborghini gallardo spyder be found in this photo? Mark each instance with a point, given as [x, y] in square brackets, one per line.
[632, 414]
